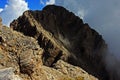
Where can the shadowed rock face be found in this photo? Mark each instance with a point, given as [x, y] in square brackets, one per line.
[64, 36]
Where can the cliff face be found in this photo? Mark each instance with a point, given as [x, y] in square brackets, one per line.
[64, 36]
[21, 58]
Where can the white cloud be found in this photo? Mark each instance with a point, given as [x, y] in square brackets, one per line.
[1, 9]
[41, 2]
[50, 2]
[13, 9]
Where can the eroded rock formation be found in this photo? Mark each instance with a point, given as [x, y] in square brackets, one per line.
[64, 36]
[21, 59]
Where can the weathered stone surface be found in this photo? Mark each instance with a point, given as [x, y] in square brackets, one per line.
[8, 74]
[72, 71]
[21, 59]
[19, 52]
[63, 35]
[53, 49]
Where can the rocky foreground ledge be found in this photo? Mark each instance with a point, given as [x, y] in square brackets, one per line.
[21, 58]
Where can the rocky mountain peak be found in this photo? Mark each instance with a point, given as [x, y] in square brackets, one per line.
[64, 36]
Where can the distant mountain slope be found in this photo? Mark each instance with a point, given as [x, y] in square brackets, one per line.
[64, 36]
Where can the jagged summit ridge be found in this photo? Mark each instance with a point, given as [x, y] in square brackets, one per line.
[64, 36]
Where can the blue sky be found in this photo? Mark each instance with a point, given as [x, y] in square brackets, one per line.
[2, 3]
[33, 5]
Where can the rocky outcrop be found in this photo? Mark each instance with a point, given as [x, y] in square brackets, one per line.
[21, 59]
[53, 50]
[72, 71]
[64, 36]
[19, 52]
[8, 74]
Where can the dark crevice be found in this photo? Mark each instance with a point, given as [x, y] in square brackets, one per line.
[58, 57]
[51, 53]
[24, 68]
[1, 39]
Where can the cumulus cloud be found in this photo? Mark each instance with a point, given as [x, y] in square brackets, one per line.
[1, 9]
[12, 10]
[50, 2]
[42, 2]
